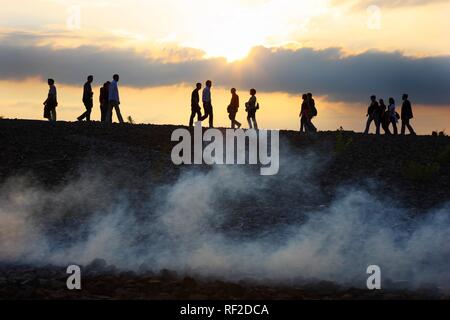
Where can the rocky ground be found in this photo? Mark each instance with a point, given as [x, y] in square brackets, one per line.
[105, 282]
[413, 170]
[54, 153]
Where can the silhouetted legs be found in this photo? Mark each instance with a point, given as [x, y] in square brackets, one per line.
[369, 122]
[394, 125]
[87, 113]
[104, 111]
[306, 125]
[377, 120]
[385, 125]
[303, 124]
[251, 117]
[52, 114]
[310, 126]
[114, 105]
[386, 128]
[195, 111]
[208, 113]
[234, 122]
[109, 113]
[406, 124]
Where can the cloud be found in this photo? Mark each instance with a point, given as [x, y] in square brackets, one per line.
[362, 4]
[351, 78]
[325, 72]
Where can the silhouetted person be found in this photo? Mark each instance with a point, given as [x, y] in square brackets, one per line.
[304, 114]
[233, 109]
[195, 105]
[373, 114]
[251, 106]
[114, 100]
[406, 115]
[312, 112]
[377, 117]
[88, 95]
[393, 115]
[385, 116]
[104, 101]
[51, 102]
[207, 104]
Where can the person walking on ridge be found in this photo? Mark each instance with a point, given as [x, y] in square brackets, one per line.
[407, 115]
[195, 105]
[114, 100]
[233, 109]
[88, 102]
[51, 102]
[373, 115]
[251, 107]
[207, 104]
[104, 101]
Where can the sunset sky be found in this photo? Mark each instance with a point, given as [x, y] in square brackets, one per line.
[341, 50]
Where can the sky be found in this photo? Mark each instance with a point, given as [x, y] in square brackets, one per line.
[343, 51]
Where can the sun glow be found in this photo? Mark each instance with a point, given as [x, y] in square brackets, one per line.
[232, 29]
[232, 40]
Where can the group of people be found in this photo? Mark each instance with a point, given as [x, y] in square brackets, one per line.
[250, 107]
[308, 108]
[383, 116]
[380, 114]
[109, 100]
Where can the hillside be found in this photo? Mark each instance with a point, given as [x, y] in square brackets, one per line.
[410, 167]
[84, 192]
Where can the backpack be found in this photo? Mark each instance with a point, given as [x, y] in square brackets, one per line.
[313, 111]
[247, 107]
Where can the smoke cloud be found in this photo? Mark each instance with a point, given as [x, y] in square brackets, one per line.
[228, 223]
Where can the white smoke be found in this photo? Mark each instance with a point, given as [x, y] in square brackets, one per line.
[193, 227]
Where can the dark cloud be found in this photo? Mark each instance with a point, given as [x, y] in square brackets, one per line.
[351, 78]
[324, 72]
[71, 65]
